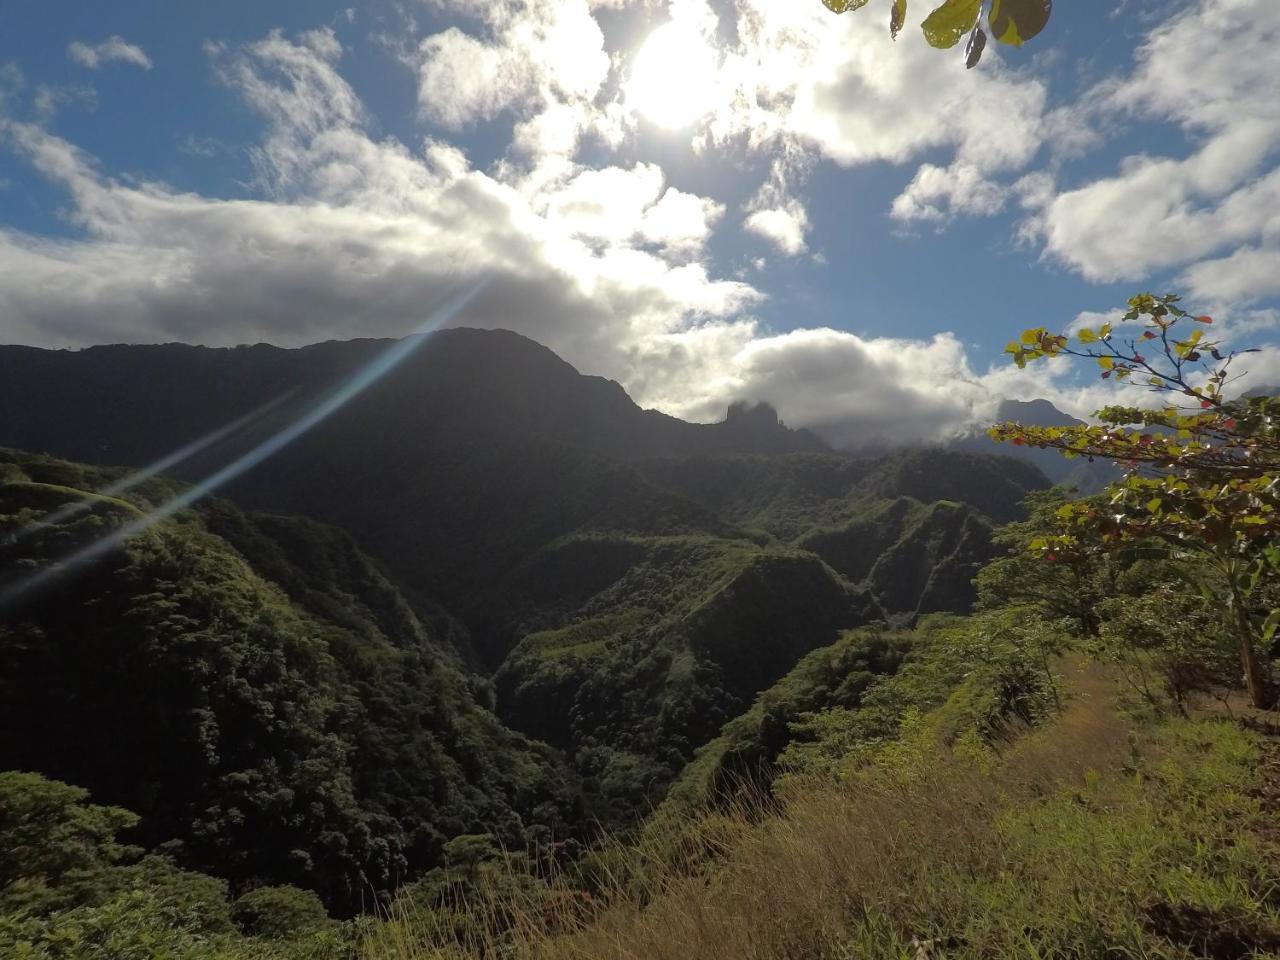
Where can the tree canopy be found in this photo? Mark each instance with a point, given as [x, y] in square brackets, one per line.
[1202, 470]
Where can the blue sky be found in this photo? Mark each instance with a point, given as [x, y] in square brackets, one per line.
[705, 200]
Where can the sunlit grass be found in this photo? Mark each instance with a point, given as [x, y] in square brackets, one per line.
[1092, 837]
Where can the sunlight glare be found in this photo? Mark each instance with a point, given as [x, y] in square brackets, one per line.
[673, 77]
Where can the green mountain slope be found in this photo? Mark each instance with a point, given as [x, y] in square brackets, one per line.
[460, 465]
[255, 690]
[517, 541]
[652, 665]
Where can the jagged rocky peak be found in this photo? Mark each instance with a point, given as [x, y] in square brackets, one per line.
[1039, 412]
[745, 412]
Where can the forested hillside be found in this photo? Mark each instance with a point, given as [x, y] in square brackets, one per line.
[480, 438]
[255, 690]
[628, 580]
[490, 596]
[233, 729]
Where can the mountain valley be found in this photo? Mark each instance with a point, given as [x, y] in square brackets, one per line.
[499, 578]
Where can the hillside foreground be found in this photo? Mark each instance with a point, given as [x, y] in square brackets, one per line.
[1105, 832]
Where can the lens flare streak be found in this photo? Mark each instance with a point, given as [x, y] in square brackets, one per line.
[360, 381]
[146, 473]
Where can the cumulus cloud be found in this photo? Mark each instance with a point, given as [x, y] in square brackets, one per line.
[840, 89]
[775, 213]
[1158, 212]
[357, 237]
[114, 49]
[784, 82]
[611, 205]
[605, 259]
[936, 194]
[1247, 274]
[784, 226]
[546, 57]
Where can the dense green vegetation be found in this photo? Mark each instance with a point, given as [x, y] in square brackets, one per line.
[661, 659]
[307, 729]
[879, 729]
[272, 681]
[859, 689]
[465, 470]
[70, 889]
[239, 734]
[1201, 480]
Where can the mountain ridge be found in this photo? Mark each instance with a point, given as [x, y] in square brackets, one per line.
[610, 580]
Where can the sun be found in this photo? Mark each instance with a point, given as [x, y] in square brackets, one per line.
[673, 77]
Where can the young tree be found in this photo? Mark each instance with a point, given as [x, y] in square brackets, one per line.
[49, 829]
[1202, 476]
[1070, 590]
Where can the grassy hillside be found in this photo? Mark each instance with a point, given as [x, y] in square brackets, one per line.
[846, 780]
[1097, 834]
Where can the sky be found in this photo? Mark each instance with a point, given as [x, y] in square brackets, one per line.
[706, 200]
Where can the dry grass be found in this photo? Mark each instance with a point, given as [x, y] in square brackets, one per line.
[1052, 848]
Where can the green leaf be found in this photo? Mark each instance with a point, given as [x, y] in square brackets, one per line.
[948, 23]
[1106, 363]
[1270, 625]
[1016, 21]
[1088, 336]
[843, 6]
[897, 17]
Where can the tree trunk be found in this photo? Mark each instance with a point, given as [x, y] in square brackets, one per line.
[1255, 678]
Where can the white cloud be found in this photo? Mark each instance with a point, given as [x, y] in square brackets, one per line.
[296, 87]
[605, 261]
[47, 100]
[1209, 70]
[679, 221]
[359, 237]
[114, 49]
[837, 87]
[938, 193]
[854, 390]
[783, 226]
[1092, 319]
[533, 54]
[775, 213]
[613, 205]
[794, 83]
[1247, 274]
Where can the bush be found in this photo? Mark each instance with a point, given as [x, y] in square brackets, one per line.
[278, 912]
